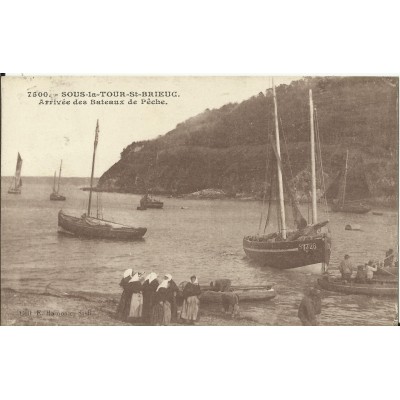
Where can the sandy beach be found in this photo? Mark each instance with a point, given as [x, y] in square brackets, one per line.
[81, 308]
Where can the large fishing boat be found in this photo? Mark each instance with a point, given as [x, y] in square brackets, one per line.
[354, 207]
[91, 227]
[56, 196]
[16, 184]
[308, 245]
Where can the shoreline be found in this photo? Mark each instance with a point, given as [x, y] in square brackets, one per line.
[391, 205]
[56, 308]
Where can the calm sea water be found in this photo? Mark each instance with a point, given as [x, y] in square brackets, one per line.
[202, 237]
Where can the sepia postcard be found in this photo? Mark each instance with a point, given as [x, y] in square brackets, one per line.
[178, 200]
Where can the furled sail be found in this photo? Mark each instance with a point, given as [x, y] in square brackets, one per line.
[300, 221]
[18, 182]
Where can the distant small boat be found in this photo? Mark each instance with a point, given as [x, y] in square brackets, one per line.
[245, 293]
[376, 288]
[16, 184]
[148, 202]
[90, 227]
[377, 213]
[56, 196]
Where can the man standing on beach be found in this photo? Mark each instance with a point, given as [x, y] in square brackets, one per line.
[346, 268]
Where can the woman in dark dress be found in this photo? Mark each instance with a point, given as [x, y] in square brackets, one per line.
[125, 301]
[161, 314]
[172, 292]
[136, 307]
[191, 302]
[149, 288]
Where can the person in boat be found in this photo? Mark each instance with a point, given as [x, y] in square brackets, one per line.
[136, 306]
[361, 276]
[172, 293]
[370, 268]
[125, 301]
[346, 268]
[149, 289]
[161, 313]
[310, 307]
[221, 285]
[389, 259]
[191, 302]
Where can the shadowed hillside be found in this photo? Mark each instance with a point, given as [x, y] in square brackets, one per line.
[226, 148]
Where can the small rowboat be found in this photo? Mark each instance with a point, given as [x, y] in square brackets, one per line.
[377, 213]
[377, 288]
[245, 293]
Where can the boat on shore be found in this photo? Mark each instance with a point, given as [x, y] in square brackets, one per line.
[375, 288]
[56, 196]
[16, 184]
[309, 244]
[91, 227]
[245, 293]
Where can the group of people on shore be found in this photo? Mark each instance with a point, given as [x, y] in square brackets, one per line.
[147, 300]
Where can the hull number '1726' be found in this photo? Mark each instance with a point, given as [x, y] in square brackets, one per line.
[308, 246]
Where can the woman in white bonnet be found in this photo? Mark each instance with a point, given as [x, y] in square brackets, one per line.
[125, 301]
[135, 309]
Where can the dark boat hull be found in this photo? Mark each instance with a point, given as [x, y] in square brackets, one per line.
[378, 288]
[348, 208]
[57, 197]
[14, 191]
[247, 295]
[79, 227]
[154, 204]
[289, 254]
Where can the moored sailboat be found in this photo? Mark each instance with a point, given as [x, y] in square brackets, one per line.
[354, 207]
[91, 227]
[16, 184]
[308, 245]
[56, 196]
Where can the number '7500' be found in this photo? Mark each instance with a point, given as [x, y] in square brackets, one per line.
[308, 246]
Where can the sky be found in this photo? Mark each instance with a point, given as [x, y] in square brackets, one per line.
[46, 133]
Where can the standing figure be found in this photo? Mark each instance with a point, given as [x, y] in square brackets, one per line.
[149, 288]
[346, 268]
[161, 313]
[135, 310]
[172, 292]
[125, 301]
[389, 259]
[370, 269]
[230, 303]
[310, 307]
[191, 302]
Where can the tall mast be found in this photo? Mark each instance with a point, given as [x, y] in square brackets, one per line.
[59, 177]
[345, 177]
[280, 183]
[313, 178]
[96, 139]
[54, 182]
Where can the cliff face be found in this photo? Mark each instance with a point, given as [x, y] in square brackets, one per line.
[227, 148]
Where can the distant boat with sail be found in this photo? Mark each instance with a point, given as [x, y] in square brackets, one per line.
[56, 196]
[355, 207]
[16, 184]
[91, 227]
[308, 245]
